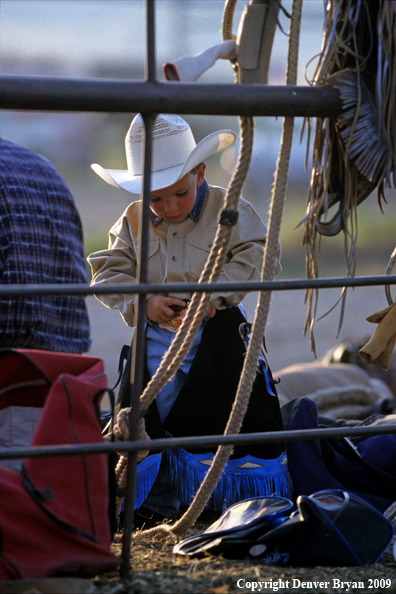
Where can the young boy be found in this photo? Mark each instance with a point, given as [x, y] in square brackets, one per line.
[198, 400]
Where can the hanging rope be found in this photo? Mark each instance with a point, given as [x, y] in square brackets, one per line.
[268, 271]
[181, 344]
[223, 453]
[212, 270]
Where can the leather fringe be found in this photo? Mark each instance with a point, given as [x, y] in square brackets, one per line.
[146, 473]
[241, 479]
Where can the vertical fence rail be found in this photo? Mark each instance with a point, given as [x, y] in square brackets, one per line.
[137, 367]
[138, 363]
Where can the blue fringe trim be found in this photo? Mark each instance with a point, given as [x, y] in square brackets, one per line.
[146, 473]
[241, 479]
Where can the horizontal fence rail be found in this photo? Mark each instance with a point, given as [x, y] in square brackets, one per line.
[141, 289]
[172, 443]
[114, 95]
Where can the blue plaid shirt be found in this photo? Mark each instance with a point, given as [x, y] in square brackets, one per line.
[40, 242]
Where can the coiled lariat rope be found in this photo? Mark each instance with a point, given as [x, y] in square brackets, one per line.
[281, 175]
[121, 432]
[196, 310]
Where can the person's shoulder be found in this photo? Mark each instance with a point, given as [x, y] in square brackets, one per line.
[133, 210]
[128, 222]
[23, 158]
[21, 163]
[213, 189]
[7, 147]
[214, 201]
[12, 151]
[215, 193]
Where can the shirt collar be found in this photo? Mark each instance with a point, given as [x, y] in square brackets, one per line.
[196, 211]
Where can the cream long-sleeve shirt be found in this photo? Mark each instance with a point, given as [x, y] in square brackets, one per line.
[177, 253]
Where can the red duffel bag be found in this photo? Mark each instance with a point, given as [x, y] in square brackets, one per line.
[54, 512]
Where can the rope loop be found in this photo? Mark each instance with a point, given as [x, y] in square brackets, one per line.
[121, 432]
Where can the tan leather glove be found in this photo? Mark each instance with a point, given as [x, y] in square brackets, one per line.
[379, 348]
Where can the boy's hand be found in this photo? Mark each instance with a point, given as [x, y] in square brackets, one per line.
[158, 310]
[210, 311]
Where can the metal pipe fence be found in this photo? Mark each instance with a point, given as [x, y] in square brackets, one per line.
[172, 443]
[150, 97]
[142, 289]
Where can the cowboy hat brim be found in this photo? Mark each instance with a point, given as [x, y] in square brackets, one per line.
[122, 178]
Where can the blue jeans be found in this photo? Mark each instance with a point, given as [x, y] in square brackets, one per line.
[161, 498]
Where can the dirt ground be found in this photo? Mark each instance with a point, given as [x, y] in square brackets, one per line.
[155, 570]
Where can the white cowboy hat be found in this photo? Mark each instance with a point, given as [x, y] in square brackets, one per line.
[175, 153]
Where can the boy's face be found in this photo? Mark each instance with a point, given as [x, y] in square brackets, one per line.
[175, 202]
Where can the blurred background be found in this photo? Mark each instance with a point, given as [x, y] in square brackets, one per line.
[106, 39]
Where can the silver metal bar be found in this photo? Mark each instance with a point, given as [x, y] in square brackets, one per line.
[138, 359]
[191, 443]
[138, 353]
[110, 95]
[141, 289]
